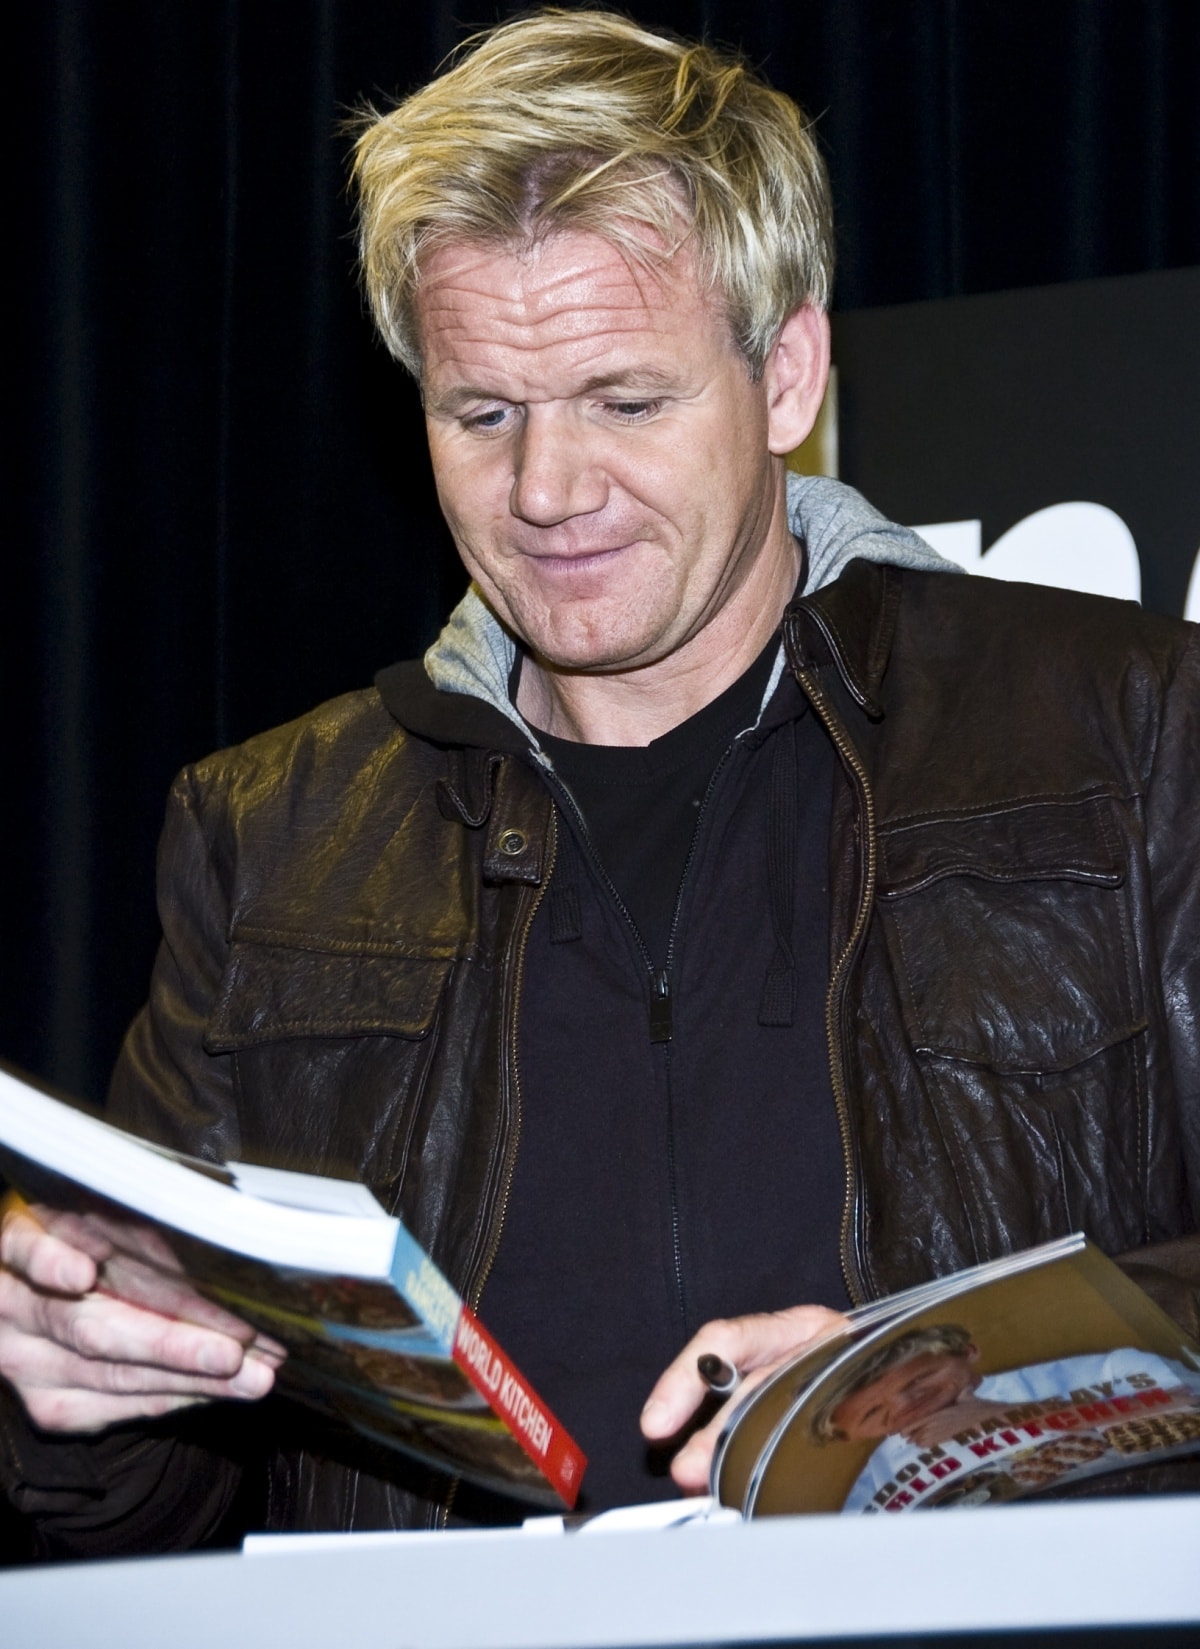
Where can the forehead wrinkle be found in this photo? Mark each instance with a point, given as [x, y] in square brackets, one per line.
[589, 360]
[535, 294]
[516, 323]
[518, 326]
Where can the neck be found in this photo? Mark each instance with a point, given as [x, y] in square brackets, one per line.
[634, 707]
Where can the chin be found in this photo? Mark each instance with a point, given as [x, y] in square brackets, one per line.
[595, 660]
[557, 662]
[599, 648]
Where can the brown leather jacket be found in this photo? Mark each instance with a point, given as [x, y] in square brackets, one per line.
[1013, 1020]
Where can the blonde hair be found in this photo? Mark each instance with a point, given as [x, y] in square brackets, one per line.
[582, 120]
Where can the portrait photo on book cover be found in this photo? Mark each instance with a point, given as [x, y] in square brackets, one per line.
[947, 1433]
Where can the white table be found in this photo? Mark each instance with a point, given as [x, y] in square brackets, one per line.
[1083, 1565]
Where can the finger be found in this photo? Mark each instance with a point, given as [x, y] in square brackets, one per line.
[41, 1236]
[65, 1391]
[88, 1411]
[270, 1351]
[924, 1435]
[945, 1424]
[77, 1230]
[690, 1467]
[33, 1364]
[137, 1283]
[135, 1237]
[103, 1329]
[28, 1249]
[745, 1342]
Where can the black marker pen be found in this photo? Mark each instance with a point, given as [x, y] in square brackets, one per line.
[721, 1378]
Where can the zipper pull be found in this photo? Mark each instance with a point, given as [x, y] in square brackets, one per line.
[660, 1006]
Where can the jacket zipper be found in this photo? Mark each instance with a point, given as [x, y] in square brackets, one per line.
[835, 996]
[661, 1002]
[474, 1290]
[661, 1030]
[665, 975]
[660, 978]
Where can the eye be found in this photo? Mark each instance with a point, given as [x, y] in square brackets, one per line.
[482, 423]
[632, 412]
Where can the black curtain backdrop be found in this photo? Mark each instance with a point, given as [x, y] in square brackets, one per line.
[219, 510]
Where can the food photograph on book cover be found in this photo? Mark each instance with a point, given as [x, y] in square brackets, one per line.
[475, 1443]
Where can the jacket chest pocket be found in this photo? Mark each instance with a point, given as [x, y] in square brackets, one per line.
[1012, 944]
[330, 1050]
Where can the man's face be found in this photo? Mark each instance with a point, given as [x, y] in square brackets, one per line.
[601, 454]
[903, 1396]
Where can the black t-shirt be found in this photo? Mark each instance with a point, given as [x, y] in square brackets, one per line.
[641, 803]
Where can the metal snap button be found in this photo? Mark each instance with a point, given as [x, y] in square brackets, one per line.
[511, 843]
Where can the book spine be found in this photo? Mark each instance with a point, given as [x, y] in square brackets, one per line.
[491, 1371]
[498, 1380]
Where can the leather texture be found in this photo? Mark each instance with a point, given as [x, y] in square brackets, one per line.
[1019, 1033]
[1015, 1022]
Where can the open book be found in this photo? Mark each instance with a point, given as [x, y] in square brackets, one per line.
[1006, 1380]
[375, 1334]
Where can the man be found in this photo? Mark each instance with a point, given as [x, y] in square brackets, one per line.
[683, 961]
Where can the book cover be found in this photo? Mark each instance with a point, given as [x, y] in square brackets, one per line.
[1000, 1383]
[375, 1337]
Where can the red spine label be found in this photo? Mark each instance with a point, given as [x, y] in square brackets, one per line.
[545, 1440]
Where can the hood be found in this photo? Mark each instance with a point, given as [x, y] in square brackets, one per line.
[474, 655]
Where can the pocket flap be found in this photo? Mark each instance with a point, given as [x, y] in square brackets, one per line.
[1010, 937]
[270, 992]
[1029, 841]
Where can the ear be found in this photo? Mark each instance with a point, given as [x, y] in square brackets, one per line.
[795, 375]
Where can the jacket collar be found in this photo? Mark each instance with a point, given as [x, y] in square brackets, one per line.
[472, 660]
[854, 621]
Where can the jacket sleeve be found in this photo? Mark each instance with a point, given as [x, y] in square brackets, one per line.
[1173, 828]
[165, 1085]
[166, 1486]
[1170, 1272]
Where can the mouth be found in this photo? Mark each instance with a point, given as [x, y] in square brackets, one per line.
[577, 568]
[577, 562]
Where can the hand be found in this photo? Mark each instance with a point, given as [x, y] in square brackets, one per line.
[81, 1358]
[756, 1346]
[966, 1414]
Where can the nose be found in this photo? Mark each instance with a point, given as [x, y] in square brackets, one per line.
[555, 475]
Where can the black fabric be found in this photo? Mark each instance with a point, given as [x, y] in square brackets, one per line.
[152, 1482]
[660, 1184]
[445, 718]
[640, 804]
